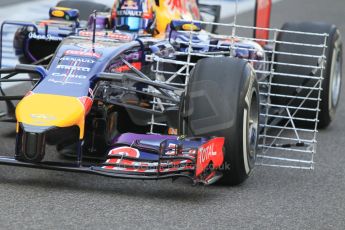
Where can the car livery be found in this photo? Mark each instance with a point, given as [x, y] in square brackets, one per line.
[144, 92]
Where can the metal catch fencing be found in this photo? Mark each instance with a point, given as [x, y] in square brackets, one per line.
[289, 68]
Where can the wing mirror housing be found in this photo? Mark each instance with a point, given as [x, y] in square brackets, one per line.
[178, 25]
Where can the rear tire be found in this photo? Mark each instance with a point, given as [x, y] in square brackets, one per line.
[85, 8]
[223, 100]
[332, 73]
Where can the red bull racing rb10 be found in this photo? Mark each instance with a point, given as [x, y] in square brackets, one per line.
[148, 90]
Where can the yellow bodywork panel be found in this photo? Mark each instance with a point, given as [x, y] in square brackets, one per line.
[51, 110]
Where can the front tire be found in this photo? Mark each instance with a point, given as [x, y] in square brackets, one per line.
[223, 100]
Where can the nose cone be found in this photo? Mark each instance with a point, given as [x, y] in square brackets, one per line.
[51, 111]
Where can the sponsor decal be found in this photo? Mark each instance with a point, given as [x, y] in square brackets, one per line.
[64, 82]
[205, 153]
[44, 37]
[210, 152]
[130, 13]
[77, 68]
[77, 59]
[135, 166]
[172, 149]
[90, 45]
[117, 36]
[42, 117]
[83, 53]
[63, 75]
[125, 151]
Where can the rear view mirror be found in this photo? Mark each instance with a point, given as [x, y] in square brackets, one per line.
[64, 13]
[185, 25]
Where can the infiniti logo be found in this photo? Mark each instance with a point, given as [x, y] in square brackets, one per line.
[42, 116]
[43, 37]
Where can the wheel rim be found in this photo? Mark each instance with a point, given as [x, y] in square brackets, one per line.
[335, 80]
[253, 124]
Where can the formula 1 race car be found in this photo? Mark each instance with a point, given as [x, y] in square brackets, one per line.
[143, 91]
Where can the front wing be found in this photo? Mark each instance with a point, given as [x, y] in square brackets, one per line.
[151, 158]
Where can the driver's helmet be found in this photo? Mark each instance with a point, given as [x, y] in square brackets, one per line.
[133, 15]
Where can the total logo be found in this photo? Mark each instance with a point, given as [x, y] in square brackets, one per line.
[211, 151]
[205, 153]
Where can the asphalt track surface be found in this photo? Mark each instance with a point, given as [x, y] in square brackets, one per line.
[270, 199]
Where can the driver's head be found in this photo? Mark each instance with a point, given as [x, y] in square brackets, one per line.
[133, 15]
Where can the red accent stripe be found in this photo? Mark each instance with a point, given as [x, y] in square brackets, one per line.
[263, 18]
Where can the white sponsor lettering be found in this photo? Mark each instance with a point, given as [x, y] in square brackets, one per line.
[129, 13]
[64, 82]
[206, 153]
[82, 53]
[44, 37]
[69, 75]
[91, 45]
[77, 68]
[82, 60]
[42, 116]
